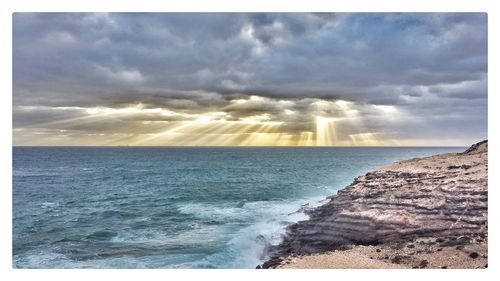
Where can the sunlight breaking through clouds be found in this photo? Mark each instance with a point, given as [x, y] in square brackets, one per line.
[326, 79]
[325, 131]
[288, 123]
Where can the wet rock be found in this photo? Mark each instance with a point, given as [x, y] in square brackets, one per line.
[272, 263]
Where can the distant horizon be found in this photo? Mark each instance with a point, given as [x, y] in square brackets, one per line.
[247, 146]
[250, 79]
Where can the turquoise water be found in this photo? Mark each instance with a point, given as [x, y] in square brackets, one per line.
[172, 207]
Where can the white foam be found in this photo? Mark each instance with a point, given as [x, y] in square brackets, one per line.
[247, 247]
[46, 205]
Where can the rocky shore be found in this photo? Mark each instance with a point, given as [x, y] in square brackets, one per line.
[421, 213]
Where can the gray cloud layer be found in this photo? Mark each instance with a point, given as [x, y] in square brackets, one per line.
[432, 67]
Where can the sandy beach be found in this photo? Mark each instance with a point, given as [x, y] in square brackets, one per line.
[420, 213]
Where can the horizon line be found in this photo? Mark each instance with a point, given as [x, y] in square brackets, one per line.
[242, 146]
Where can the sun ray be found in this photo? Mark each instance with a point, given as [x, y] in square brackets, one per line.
[325, 131]
[365, 139]
[306, 139]
[255, 138]
[178, 126]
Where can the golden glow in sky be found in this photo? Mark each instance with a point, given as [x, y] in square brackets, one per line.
[240, 123]
[251, 121]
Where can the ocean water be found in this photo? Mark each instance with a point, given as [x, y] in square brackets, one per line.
[142, 207]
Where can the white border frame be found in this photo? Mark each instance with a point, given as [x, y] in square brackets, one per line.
[7, 7]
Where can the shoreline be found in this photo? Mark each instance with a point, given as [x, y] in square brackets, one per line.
[419, 213]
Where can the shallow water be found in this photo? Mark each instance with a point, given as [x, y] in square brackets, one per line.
[156, 207]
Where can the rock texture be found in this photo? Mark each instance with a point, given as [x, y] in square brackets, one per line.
[440, 201]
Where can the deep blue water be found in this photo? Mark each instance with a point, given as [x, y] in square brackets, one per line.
[139, 207]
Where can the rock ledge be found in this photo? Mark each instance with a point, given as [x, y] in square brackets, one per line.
[441, 200]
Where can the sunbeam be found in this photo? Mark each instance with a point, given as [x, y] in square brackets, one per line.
[325, 131]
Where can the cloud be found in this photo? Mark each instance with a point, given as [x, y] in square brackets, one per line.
[131, 76]
[426, 65]
[60, 39]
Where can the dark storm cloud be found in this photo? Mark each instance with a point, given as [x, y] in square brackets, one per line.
[281, 54]
[427, 64]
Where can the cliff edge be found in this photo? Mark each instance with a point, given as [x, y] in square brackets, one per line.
[422, 212]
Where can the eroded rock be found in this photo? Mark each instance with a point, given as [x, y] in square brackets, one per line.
[421, 197]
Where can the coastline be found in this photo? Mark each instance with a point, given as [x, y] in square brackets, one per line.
[420, 213]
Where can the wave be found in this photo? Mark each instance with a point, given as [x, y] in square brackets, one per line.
[265, 221]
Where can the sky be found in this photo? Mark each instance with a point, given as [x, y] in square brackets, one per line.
[265, 79]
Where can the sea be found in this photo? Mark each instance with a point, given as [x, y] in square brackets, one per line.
[173, 207]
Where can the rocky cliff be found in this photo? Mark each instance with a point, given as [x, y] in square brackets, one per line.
[441, 198]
